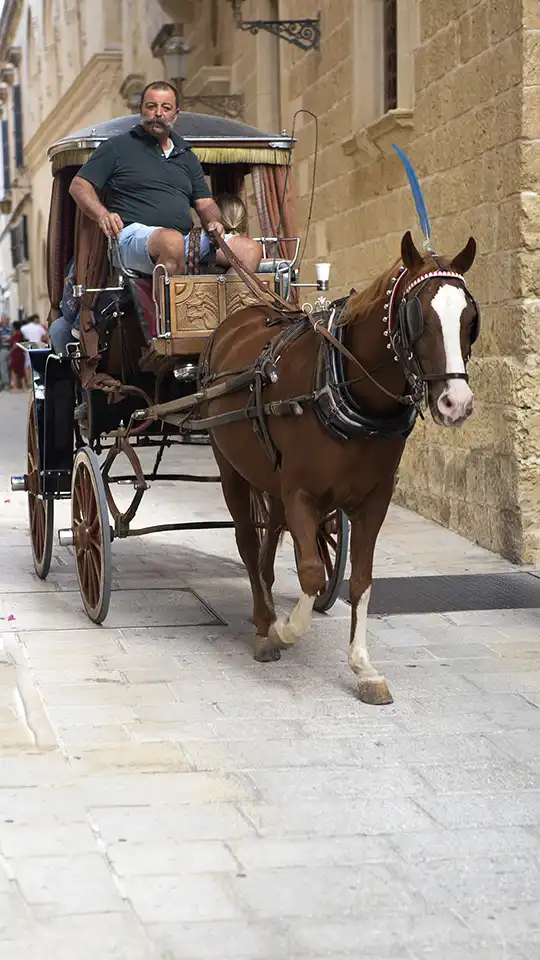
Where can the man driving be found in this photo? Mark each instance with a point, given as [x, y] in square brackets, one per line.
[153, 178]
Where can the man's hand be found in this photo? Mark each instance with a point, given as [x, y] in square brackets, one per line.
[111, 224]
[217, 226]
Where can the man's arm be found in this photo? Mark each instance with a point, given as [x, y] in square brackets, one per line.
[85, 196]
[210, 215]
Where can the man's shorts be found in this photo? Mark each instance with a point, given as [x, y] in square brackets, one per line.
[133, 242]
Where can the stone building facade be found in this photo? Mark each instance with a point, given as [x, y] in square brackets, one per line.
[454, 82]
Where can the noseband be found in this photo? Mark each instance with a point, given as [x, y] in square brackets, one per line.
[404, 320]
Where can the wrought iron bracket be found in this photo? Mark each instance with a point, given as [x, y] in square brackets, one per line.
[305, 34]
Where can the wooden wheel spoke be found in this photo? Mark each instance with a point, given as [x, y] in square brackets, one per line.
[331, 541]
[94, 527]
[325, 557]
[86, 490]
[77, 505]
[95, 567]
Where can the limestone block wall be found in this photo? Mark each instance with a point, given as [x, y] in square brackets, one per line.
[473, 137]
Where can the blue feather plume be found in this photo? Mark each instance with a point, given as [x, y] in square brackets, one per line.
[418, 196]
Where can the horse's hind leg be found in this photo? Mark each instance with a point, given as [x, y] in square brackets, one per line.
[303, 518]
[237, 493]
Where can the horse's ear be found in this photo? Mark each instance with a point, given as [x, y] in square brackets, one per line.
[465, 259]
[352, 292]
[409, 254]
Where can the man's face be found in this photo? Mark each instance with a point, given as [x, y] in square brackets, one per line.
[158, 112]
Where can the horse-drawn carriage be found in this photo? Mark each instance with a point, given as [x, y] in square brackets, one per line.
[308, 411]
[140, 342]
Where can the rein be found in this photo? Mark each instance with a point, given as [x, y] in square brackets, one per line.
[398, 340]
[254, 284]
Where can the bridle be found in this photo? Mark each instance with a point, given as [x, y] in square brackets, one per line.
[404, 321]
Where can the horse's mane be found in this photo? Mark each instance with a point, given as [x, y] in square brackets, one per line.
[363, 304]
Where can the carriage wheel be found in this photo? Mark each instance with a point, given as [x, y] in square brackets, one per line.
[40, 512]
[333, 545]
[91, 535]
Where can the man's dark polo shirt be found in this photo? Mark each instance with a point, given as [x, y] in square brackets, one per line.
[143, 185]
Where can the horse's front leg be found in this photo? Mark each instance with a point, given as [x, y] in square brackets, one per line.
[303, 518]
[365, 527]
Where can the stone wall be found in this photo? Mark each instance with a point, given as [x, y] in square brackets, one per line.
[473, 139]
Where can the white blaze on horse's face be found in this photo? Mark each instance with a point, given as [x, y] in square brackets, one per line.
[455, 403]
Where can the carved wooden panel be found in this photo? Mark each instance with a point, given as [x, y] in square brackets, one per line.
[199, 304]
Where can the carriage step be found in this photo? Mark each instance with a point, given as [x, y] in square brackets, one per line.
[18, 484]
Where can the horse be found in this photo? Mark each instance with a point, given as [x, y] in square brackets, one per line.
[351, 404]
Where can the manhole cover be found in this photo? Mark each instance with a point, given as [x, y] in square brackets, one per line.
[440, 594]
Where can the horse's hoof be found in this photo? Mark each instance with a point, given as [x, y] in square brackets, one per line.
[375, 692]
[264, 650]
[280, 634]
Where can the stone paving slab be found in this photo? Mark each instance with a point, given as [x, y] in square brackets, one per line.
[164, 796]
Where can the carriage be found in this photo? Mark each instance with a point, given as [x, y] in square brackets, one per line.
[141, 338]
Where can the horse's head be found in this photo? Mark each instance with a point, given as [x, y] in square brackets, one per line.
[435, 323]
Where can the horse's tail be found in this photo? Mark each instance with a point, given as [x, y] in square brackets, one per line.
[264, 514]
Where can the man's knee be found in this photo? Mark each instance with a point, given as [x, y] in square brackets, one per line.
[247, 250]
[164, 244]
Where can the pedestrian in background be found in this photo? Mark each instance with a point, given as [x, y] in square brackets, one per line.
[5, 337]
[33, 331]
[16, 359]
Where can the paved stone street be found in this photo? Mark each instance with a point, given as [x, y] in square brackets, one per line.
[164, 796]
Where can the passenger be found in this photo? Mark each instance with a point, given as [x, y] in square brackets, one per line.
[233, 215]
[153, 178]
[65, 329]
[16, 359]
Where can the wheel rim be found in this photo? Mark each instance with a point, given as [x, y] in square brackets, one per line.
[332, 544]
[40, 512]
[91, 539]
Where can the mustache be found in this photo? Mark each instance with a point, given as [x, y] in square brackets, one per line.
[161, 121]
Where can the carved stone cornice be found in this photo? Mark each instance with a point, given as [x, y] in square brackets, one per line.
[131, 89]
[222, 105]
[14, 56]
[99, 76]
[7, 73]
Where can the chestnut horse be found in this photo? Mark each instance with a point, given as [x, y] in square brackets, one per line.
[407, 335]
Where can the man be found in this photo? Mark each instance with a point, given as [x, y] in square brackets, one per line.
[33, 330]
[152, 179]
[5, 342]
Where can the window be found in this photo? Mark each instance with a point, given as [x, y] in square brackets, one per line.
[384, 37]
[390, 30]
[17, 126]
[19, 242]
[5, 156]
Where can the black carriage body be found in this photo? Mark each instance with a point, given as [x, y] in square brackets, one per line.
[53, 386]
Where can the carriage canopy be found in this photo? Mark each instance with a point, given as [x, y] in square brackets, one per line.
[228, 150]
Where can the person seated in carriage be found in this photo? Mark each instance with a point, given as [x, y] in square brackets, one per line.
[152, 179]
